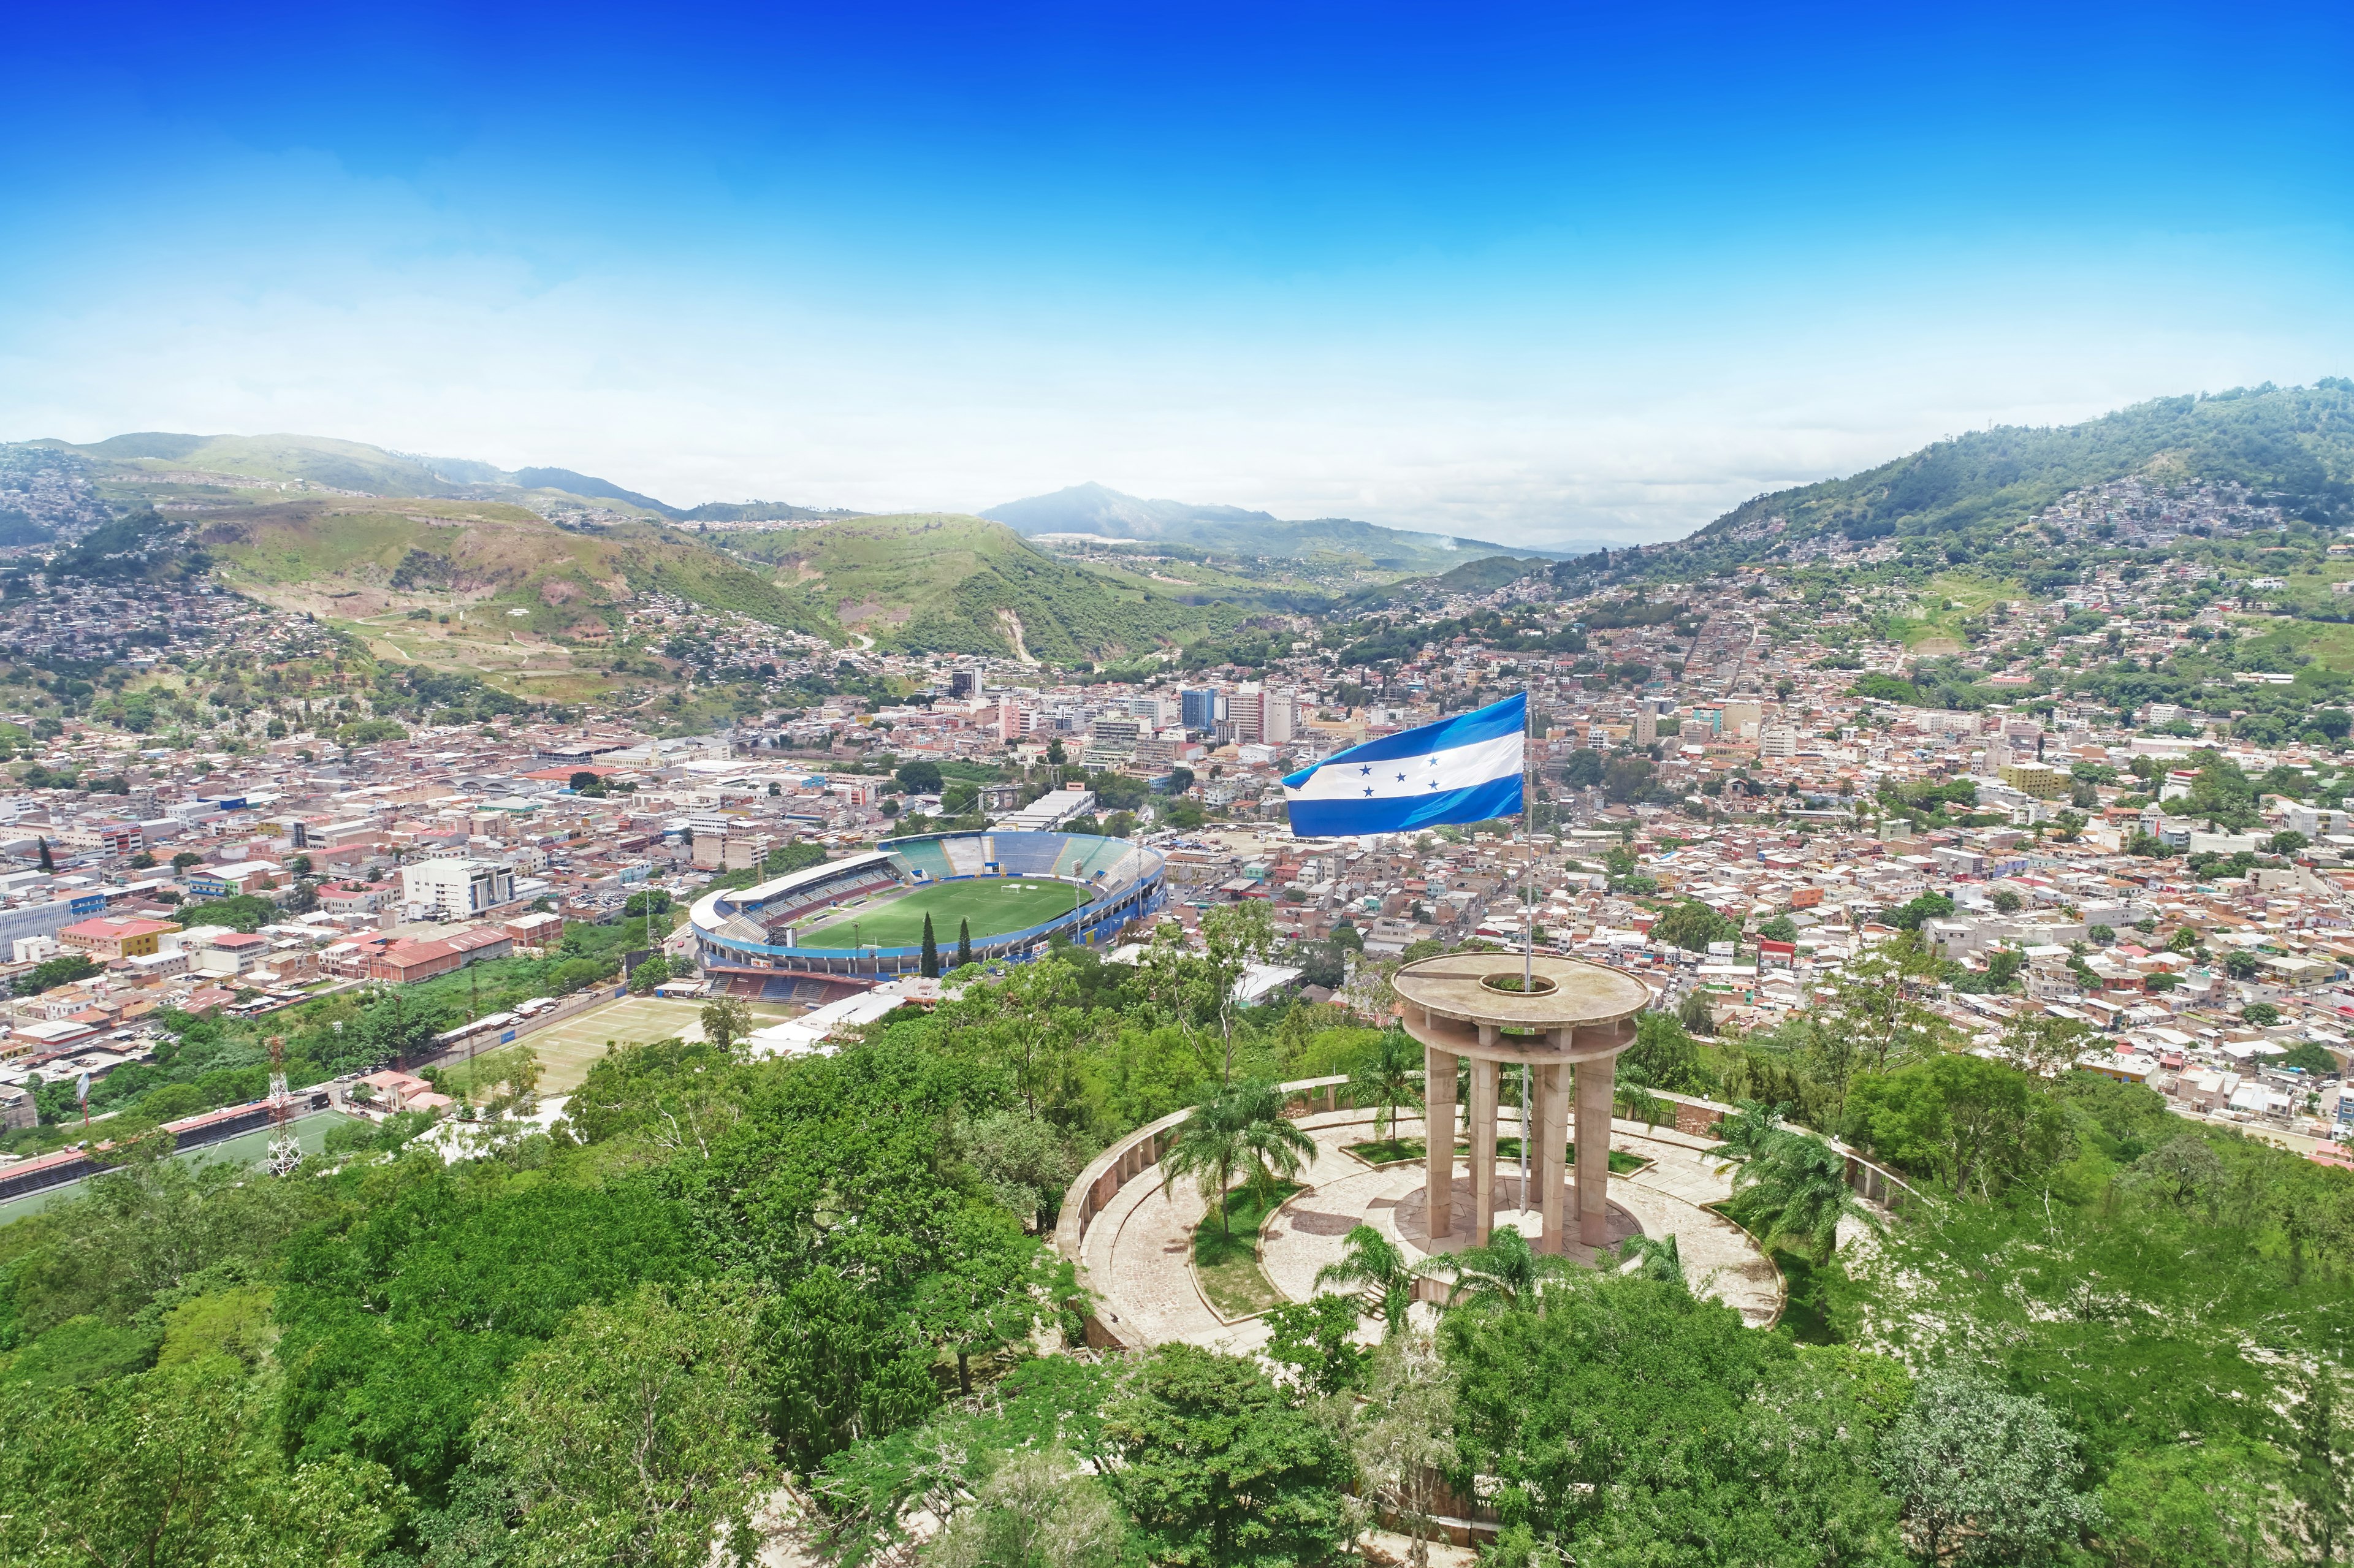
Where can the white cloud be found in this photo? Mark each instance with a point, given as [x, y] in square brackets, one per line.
[697, 380]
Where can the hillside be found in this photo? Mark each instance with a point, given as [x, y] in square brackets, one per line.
[1104, 513]
[356, 559]
[2292, 448]
[944, 583]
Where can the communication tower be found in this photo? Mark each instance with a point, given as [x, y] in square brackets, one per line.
[285, 1149]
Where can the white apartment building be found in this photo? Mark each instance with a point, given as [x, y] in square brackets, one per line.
[457, 886]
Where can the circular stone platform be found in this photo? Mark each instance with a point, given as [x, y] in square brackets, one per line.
[1413, 1220]
[1138, 1245]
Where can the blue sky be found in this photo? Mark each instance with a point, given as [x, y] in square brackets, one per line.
[1535, 274]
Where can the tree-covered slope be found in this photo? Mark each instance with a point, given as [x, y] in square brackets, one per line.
[2294, 446]
[943, 583]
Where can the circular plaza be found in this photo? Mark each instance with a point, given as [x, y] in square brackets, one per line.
[1520, 1065]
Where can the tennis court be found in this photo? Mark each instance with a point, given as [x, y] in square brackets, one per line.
[995, 905]
[567, 1050]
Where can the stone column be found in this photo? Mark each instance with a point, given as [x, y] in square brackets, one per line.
[1484, 1149]
[1438, 1137]
[1549, 1168]
[1594, 1082]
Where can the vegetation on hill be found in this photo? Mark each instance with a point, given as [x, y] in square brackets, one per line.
[491, 558]
[942, 583]
[2294, 445]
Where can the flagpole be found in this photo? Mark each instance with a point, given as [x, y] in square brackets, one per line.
[1528, 847]
[1528, 921]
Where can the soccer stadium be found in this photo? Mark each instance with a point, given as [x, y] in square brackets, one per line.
[815, 935]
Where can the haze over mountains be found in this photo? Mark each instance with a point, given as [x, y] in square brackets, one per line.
[1100, 510]
[352, 531]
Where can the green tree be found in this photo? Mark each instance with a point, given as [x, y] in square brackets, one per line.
[1315, 1339]
[964, 942]
[2006, 902]
[983, 1286]
[919, 778]
[1693, 926]
[1796, 1189]
[1985, 1476]
[636, 1435]
[1507, 1272]
[728, 1022]
[1369, 1260]
[175, 1467]
[1780, 928]
[1389, 1078]
[651, 971]
[1631, 1423]
[1035, 1511]
[928, 960]
[1217, 1471]
[1241, 1128]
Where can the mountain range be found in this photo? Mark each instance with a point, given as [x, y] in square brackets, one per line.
[1099, 511]
[364, 534]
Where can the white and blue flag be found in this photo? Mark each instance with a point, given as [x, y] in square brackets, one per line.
[1463, 769]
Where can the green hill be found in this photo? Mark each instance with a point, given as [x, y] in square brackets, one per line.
[2293, 446]
[353, 558]
[945, 583]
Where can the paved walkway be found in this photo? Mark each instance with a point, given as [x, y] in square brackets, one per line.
[1140, 1246]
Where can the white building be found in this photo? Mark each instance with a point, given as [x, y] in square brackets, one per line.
[457, 886]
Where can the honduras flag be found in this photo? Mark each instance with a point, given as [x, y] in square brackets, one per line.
[1463, 769]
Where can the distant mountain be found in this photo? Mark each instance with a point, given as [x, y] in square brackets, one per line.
[162, 467]
[1107, 513]
[744, 513]
[572, 484]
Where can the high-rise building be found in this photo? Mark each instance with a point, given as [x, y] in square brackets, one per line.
[1647, 726]
[1198, 710]
[1265, 715]
[964, 684]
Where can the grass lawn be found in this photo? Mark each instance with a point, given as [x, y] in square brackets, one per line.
[1932, 622]
[1225, 1257]
[994, 905]
[567, 1050]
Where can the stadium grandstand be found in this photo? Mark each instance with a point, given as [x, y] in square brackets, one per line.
[814, 936]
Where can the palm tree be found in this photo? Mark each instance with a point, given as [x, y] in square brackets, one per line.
[1653, 1259]
[1371, 1260]
[1507, 1271]
[1273, 1144]
[1745, 1133]
[1796, 1189]
[1233, 1130]
[1389, 1078]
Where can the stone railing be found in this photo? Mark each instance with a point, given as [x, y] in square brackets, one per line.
[1697, 1117]
[1129, 1157]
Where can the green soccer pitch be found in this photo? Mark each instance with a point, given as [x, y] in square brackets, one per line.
[995, 905]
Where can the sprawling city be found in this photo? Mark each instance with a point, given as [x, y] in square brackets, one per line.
[549, 1019]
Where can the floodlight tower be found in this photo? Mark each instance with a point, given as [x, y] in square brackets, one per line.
[285, 1148]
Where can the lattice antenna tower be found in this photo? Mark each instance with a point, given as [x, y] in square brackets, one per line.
[285, 1149]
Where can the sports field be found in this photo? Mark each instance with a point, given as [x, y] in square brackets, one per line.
[994, 905]
[567, 1050]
